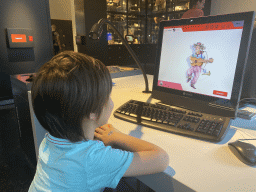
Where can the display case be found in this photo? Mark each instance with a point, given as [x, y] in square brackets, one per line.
[140, 18]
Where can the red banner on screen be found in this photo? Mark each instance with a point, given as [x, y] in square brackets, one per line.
[207, 27]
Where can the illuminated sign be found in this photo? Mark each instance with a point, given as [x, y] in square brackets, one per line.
[30, 38]
[20, 38]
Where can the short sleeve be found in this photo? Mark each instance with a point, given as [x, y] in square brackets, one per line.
[105, 166]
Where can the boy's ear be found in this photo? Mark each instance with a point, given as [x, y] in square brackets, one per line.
[93, 116]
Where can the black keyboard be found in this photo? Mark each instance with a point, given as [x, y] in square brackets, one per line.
[175, 120]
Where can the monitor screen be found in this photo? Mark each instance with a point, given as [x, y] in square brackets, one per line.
[203, 58]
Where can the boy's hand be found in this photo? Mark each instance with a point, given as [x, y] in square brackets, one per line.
[106, 134]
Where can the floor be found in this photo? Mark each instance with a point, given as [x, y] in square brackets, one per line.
[16, 174]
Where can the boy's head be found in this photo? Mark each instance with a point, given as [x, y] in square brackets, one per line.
[68, 89]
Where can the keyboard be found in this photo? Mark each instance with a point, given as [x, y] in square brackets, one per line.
[175, 120]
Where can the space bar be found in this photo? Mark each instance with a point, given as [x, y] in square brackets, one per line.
[126, 117]
[160, 126]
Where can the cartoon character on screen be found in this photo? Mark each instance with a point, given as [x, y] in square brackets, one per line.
[197, 60]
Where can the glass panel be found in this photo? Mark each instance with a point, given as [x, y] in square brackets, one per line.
[143, 20]
[170, 5]
[153, 28]
[116, 5]
[159, 6]
[181, 6]
[150, 6]
[137, 20]
[136, 26]
[177, 5]
[119, 21]
[171, 16]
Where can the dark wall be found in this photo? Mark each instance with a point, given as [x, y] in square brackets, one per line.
[32, 14]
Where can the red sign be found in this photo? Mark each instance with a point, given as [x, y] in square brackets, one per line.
[221, 93]
[30, 38]
[19, 38]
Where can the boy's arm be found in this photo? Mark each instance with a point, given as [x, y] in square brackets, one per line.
[148, 158]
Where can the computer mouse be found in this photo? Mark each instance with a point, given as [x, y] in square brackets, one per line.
[244, 151]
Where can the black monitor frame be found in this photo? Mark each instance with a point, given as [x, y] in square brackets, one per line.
[203, 103]
[248, 94]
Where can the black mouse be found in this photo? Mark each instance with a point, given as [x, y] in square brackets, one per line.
[244, 151]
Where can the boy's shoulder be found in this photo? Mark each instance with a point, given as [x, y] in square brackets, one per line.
[90, 149]
[57, 149]
[65, 145]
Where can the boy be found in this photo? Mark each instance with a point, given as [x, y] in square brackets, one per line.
[71, 99]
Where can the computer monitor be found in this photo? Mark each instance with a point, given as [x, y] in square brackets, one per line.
[248, 94]
[200, 62]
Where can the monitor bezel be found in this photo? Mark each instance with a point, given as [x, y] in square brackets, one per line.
[177, 97]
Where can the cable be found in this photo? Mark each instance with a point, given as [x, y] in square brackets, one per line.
[243, 132]
[247, 99]
[246, 102]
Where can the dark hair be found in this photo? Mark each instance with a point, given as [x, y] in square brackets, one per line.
[66, 90]
[193, 3]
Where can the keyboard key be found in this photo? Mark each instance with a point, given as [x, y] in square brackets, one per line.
[165, 122]
[154, 119]
[216, 133]
[133, 115]
[219, 126]
[210, 131]
[196, 120]
[172, 123]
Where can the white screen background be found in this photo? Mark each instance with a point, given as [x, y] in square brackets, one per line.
[222, 46]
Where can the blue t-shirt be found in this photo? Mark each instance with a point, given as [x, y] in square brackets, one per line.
[87, 166]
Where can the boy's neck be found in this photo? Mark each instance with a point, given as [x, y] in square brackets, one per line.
[89, 127]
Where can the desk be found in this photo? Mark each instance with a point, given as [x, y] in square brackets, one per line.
[195, 165]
